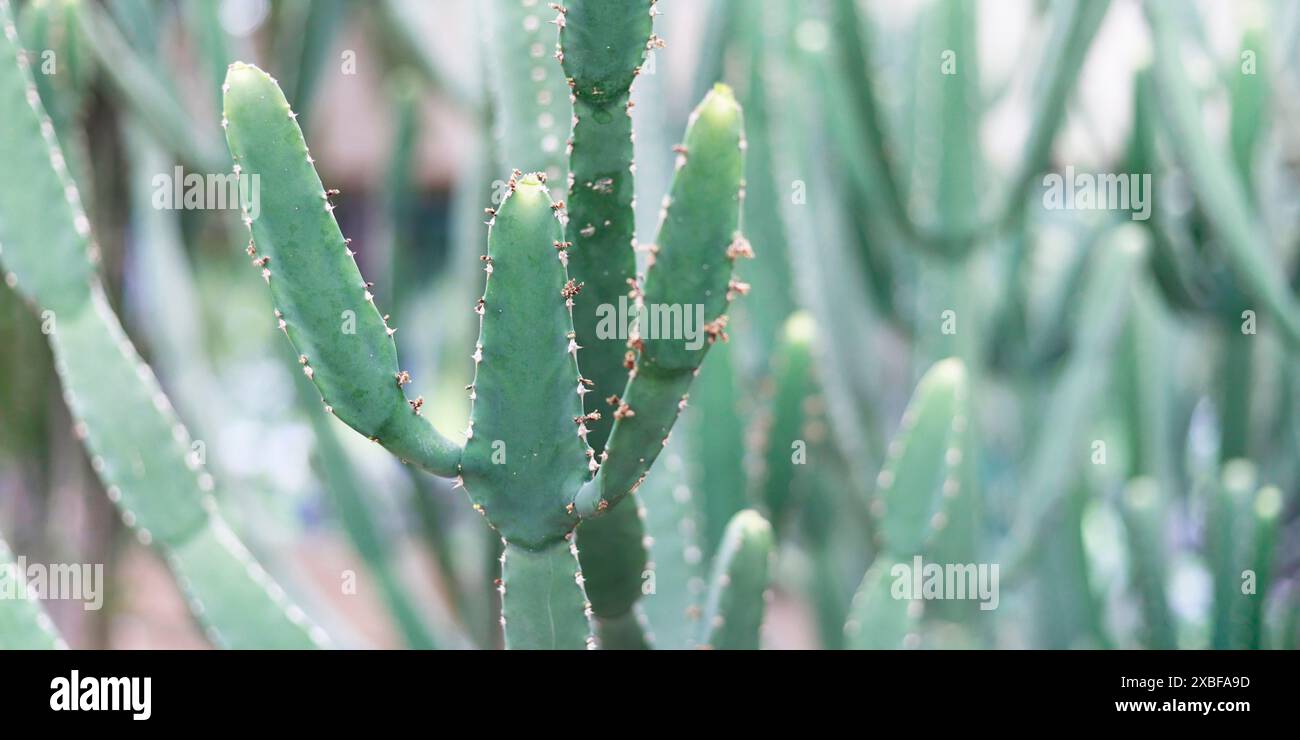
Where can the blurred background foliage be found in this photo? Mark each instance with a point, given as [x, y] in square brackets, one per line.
[1130, 450]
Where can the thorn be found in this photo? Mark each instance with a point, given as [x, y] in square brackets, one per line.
[740, 247]
[629, 360]
[613, 400]
[417, 404]
[716, 329]
[571, 289]
[402, 377]
[736, 287]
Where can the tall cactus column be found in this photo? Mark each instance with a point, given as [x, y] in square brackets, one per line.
[602, 44]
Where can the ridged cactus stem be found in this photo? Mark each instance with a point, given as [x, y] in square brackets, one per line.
[921, 470]
[737, 601]
[602, 44]
[139, 449]
[690, 270]
[24, 625]
[544, 606]
[321, 302]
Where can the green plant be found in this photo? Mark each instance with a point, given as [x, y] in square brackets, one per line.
[139, 449]
[536, 462]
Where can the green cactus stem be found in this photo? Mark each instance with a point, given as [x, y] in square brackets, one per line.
[530, 99]
[691, 267]
[877, 619]
[544, 606]
[322, 303]
[138, 448]
[602, 44]
[1218, 189]
[24, 625]
[785, 436]
[733, 612]
[922, 462]
[526, 451]
[674, 600]
[1144, 513]
[920, 471]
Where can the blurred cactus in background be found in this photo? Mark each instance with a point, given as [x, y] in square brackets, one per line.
[1015, 367]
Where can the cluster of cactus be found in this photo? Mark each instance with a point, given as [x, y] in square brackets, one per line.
[634, 495]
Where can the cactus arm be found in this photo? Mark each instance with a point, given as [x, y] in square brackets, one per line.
[673, 606]
[793, 384]
[138, 448]
[1218, 188]
[1241, 535]
[24, 625]
[733, 612]
[239, 604]
[52, 25]
[602, 45]
[691, 271]
[877, 619]
[38, 210]
[323, 304]
[1144, 513]
[920, 472]
[543, 605]
[1264, 517]
[526, 453]
[529, 96]
[715, 423]
[614, 558]
[922, 461]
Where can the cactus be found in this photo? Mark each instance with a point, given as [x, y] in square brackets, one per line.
[140, 451]
[24, 625]
[919, 473]
[873, 207]
[527, 464]
[733, 612]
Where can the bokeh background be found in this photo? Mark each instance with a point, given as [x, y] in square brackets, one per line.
[882, 193]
